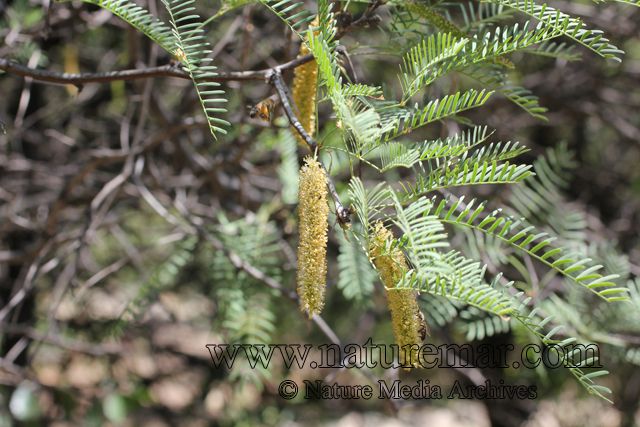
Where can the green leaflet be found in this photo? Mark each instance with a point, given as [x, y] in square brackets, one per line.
[191, 47]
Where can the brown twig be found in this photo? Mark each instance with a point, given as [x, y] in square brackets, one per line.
[246, 36]
[169, 70]
[252, 271]
[162, 71]
[367, 19]
[69, 344]
[28, 281]
[343, 51]
[11, 374]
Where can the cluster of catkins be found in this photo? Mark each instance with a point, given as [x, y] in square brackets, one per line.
[314, 211]
[312, 263]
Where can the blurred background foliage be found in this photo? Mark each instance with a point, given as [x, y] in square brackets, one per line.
[125, 298]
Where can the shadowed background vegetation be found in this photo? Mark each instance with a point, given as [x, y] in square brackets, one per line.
[126, 228]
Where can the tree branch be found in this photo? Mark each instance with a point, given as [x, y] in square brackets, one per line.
[60, 341]
[168, 70]
[365, 20]
[171, 70]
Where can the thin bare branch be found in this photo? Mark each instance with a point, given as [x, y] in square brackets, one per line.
[69, 344]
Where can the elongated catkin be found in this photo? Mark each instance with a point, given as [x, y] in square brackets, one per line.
[304, 92]
[312, 249]
[402, 302]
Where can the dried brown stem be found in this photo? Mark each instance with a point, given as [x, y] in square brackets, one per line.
[170, 70]
[163, 71]
[69, 344]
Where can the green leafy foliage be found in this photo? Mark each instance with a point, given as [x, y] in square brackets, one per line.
[289, 166]
[522, 97]
[357, 275]
[439, 310]
[483, 14]
[406, 120]
[563, 24]
[456, 167]
[570, 359]
[190, 47]
[395, 154]
[423, 58]
[166, 274]
[292, 13]
[479, 325]
[246, 312]
[537, 245]
[465, 286]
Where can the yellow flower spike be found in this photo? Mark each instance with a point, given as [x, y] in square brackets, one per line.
[402, 302]
[312, 249]
[304, 91]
